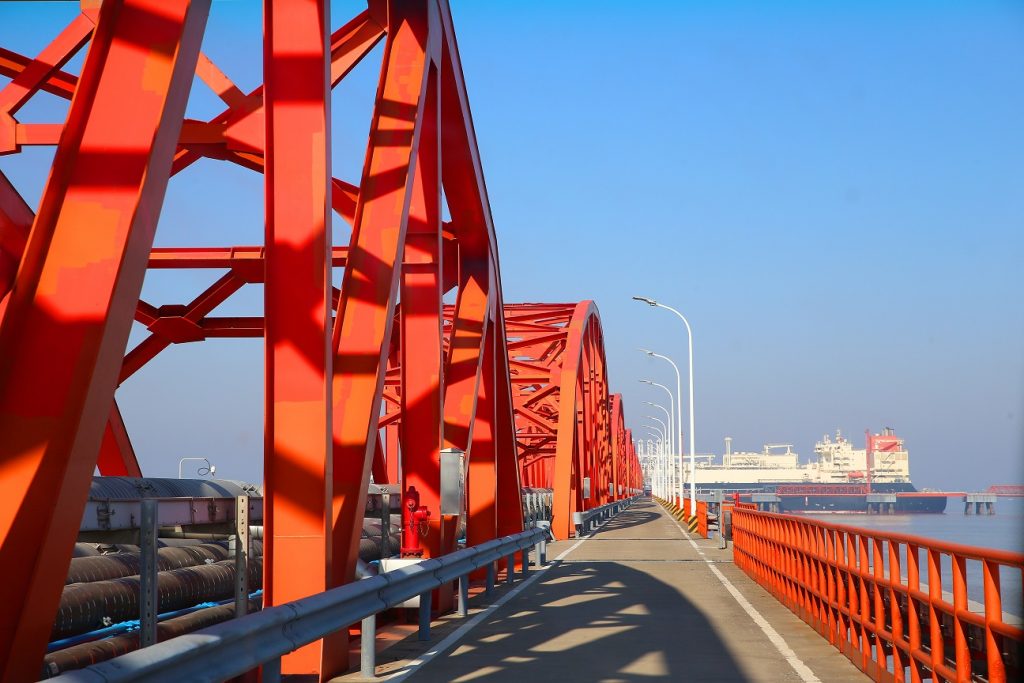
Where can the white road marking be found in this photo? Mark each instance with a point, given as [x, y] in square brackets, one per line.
[801, 669]
[474, 621]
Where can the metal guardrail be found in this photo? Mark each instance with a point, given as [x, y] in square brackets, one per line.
[231, 648]
[885, 607]
[586, 520]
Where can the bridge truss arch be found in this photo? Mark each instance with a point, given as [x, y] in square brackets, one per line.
[570, 431]
[369, 379]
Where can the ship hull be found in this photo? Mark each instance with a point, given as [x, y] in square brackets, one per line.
[854, 504]
[836, 501]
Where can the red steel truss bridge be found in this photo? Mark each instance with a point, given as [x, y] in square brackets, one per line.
[386, 360]
[355, 375]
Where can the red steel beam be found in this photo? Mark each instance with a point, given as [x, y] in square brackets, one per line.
[117, 457]
[36, 73]
[509, 504]
[399, 362]
[297, 305]
[422, 350]
[15, 222]
[59, 83]
[369, 290]
[482, 492]
[63, 335]
[563, 410]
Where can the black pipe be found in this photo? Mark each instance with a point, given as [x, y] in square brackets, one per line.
[85, 654]
[89, 606]
[116, 565]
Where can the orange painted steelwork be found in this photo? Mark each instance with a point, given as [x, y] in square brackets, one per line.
[372, 378]
[881, 598]
[568, 427]
[702, 518]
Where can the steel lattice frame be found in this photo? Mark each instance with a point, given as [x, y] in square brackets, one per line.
[337, 373]
[569, 427]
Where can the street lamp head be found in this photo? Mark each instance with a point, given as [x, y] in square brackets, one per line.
[646, 300]
[647, 351]
[645, 381]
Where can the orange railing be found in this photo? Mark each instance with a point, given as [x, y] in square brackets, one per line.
[702, 518]
[871, 595]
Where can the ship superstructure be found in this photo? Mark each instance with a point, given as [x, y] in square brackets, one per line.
[838, 479]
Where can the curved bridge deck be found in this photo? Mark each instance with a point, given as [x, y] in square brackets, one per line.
[639, 600]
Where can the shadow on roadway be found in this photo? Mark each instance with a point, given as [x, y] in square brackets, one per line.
[590, 622]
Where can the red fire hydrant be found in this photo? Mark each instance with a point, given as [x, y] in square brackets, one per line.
[414, 523]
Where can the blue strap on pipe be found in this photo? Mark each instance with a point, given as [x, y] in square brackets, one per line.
[133, 624]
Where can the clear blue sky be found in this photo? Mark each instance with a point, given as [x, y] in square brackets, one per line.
[832, 192]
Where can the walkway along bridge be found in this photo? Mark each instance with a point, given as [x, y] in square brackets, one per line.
[415, 359]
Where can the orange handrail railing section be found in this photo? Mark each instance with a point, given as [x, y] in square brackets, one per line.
[881, 598]
[702, 518]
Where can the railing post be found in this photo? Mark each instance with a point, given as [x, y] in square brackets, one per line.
[272, 671]
[385, 523]
[538, 553]
[993, 613]
[510, 569]
[490, 578]
[149, 595]
[241, 556]
[463, 595]
[525, 555]
[425, 607]
[368, 647]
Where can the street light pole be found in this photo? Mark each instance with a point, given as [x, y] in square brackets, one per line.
[657, 469]
[676, 444]
[671, 420]
[671, 451]
[668, 456]
[689, 337]
[654, 454]
[661, 449]
[679, 413]
[650, 441]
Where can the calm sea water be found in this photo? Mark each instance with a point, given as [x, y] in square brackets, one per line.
[1004, 531]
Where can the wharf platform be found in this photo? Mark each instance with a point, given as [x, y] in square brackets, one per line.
[637, 600]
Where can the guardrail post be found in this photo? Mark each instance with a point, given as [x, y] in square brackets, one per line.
[490, 578]
[538, 553]
[241, 556]
[272, 671]
[463, 595]
[368, 647]
[148, 594]
[525, 554]
[543, 548]
[385, 523]
[425, 605]
[510, 569]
